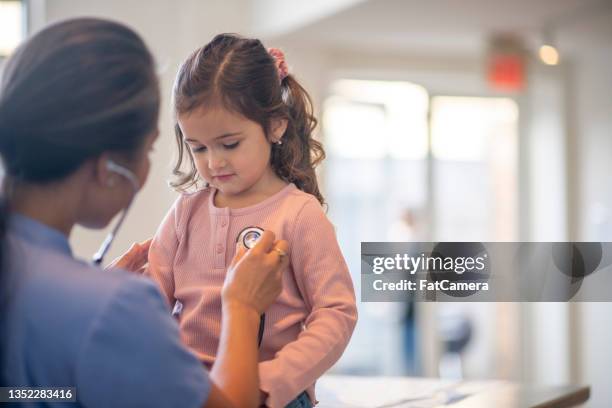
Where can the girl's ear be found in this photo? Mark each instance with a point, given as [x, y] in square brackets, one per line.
[277, 128]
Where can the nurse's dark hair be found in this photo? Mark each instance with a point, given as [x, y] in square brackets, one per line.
[71, 92]
[240, 75]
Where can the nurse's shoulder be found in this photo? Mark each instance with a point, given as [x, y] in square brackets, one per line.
[113, 327]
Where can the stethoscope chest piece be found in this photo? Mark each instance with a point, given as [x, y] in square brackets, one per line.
[249, 236]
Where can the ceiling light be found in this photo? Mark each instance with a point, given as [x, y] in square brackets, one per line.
[549, 54]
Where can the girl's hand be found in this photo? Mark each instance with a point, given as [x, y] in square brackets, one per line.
[135, 259]
[254, 276]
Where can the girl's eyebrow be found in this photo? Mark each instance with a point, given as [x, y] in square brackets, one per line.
[223, 136]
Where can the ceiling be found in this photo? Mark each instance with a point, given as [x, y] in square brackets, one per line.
[453, 26]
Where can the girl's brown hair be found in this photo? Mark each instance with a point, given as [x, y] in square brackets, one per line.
[240, 75]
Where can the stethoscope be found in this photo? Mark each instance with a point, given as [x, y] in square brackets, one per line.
[131, 177]
[248, 237]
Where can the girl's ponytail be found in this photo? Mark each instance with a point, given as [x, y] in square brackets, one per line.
[296, 158]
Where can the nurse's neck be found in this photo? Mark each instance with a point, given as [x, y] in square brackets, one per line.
[54, 204]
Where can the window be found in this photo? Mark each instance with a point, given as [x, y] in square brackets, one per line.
[376, 140]
[12, 26]
[404, 165]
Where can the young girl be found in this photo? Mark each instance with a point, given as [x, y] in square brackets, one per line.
[244, 125]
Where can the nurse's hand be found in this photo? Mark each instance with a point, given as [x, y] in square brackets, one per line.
[254, 276]
[135, 259]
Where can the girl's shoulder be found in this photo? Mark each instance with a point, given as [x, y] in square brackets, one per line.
[189, 203]
[305, 205]
[301, 197]
[309, 222]
[187, 199]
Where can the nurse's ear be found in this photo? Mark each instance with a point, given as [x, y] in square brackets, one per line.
[104, 177]
[103, 192]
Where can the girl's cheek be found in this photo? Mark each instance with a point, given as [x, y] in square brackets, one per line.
[201, 168]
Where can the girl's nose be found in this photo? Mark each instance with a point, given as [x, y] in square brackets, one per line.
[216, 162]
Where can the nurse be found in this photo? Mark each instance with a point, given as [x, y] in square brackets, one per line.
[79, 105]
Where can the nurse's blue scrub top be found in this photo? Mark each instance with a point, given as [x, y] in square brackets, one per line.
[107, 333]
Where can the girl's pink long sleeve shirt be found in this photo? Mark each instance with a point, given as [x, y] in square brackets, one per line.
[310, 324]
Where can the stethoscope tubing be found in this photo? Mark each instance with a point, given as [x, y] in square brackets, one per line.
[247, 237]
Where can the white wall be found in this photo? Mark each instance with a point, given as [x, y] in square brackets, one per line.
[590, 86]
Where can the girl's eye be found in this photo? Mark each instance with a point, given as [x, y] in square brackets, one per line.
[198, 149]
[232, 145]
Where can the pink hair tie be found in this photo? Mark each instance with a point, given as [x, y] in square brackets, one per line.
[279, 60]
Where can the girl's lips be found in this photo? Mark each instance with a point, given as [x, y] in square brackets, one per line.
[224, 177]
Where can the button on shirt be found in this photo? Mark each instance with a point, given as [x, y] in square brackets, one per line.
[107, 333]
